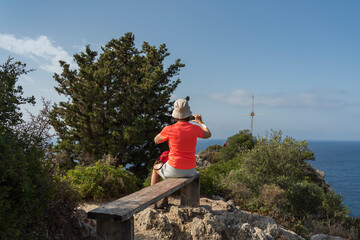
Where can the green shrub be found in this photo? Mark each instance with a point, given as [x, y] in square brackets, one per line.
[33, 203]
[305, 199]
[273, 177]
[101, 181]
[147, 181]
[333, 206]
[59, 213]
[239, 143]
[335, 213]
[23, 186]
[214, 148]
[212, 182]
[300, 229]
[237, 186]
[276, 161]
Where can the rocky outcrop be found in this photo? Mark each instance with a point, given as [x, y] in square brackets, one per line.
[325, 237]
[321, 179]
[212, 220]
[202, 160]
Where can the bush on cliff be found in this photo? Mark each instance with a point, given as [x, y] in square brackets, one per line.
[239, 143]
[226, 159]
[212, 177]
[273, 178]
[274, 161]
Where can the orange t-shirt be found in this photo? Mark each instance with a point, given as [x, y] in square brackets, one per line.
[182, 137]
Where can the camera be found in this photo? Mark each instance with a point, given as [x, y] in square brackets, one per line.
[192, 117]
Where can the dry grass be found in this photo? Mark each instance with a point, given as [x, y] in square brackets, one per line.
[272, 195]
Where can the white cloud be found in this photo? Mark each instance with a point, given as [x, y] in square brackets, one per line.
[41, 50]
[238, 97]
[321, 98]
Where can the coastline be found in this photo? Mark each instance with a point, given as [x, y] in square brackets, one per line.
[338, 159]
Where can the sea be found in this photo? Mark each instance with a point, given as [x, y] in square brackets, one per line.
[339, 160]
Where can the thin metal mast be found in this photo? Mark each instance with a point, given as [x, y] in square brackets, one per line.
[252, 114]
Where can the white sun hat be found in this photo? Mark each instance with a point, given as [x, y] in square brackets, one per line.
[181, 109]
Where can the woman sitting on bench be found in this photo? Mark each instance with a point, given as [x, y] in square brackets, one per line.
[182, 137]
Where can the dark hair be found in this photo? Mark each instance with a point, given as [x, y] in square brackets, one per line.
[183, 119]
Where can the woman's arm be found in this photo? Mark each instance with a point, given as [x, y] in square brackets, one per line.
[198, 120]
[157, 139]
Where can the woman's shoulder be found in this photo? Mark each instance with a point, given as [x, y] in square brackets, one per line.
[168, 127]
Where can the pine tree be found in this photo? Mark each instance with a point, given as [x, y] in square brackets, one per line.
[11, 94]
[117, 103]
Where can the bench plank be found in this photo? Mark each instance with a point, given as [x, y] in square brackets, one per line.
[124, 208]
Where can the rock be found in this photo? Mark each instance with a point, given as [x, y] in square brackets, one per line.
[325, 237]
[216, 197]
[230, 205]
[214, 220]
[246, 231]
[198, 227]
[201, 160]
[156, 222]
[319, 177]
[320, 173]
[152, 219]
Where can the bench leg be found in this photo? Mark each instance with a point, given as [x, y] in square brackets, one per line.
[111, 230]
[190, 193]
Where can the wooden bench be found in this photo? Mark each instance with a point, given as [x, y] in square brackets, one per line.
[115, 220]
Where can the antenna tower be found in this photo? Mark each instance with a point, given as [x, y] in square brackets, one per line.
[252, 114]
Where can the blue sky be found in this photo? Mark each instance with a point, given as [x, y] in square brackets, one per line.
[300, 59]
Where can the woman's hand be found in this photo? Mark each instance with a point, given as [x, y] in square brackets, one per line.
[198, 119]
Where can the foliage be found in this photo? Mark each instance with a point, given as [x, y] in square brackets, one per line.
[22, 181]
[116, 103]
[214, 148]
[21, 175]
[300, 229]
[59, 209]
[276, 161]
[272, 196]
[241, 142]
[272, 177]
[334, 210]
[11, 95]
[332, 205]
[273, 163]
[212, 177]
[210, 153]
[225, 159]
[304, 199]
[33, 202]
[39, 128]
[101, 181]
